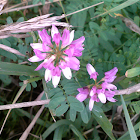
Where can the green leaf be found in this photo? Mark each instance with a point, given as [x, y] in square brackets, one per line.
[106, 45]
[56, 101]
[28, 88]
[72, 114]
[59, 132]
[133, 72]
[61, 110]
[128, 121]
[94, 26]
[8, 55]
[76, 131]
[9, 20]
[43, 2]
[55, 92]
[54, 126]
[84, 116]
[97, 110]
[35, 1]
[16, 69]
[75, 104]
[103, 122]
[21, 19]
[34, 84]
[5, 79]
[103, 35]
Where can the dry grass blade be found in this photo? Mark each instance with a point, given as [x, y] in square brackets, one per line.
[24, 7]
[9, 49]
[2, 3]
[33, 24]
[24, 104]
[27, 131]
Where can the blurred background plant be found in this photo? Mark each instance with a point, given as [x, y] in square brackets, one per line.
[111, 31]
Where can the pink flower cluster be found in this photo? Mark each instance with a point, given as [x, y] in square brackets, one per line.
[58, 53]
[98, 92]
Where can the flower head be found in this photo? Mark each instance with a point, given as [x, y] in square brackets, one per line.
[99, 92]
[58, 54]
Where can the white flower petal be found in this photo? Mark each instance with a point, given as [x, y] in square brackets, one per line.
[67, 72]
[37, 46]
[48, 75]
[54, 30]
[91, 104]
[71, 37]
[102, 97]
[55, 80]
[90, 69]
[35, 59]
[91, 93]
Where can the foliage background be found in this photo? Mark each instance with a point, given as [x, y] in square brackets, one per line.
[109, 42]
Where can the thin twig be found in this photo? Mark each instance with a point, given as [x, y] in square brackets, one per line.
[135, 88]
[24, 104]
[29, 128]
[85, 8]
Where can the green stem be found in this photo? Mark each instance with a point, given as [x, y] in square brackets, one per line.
[63, 11]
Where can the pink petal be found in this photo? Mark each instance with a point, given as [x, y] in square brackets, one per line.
[65, 37]
[45, 48]
[67, 72]
[93, 91]
[112, 72]
[109, 78]
[78, 41]
[108, 86]
[73, 62]
[111, 99]
[70, 52]
[62, 64]
[40, 66]
[54, 30]
[45, 37]
[57, 38]
[81, 97]
[35, 59]
[39, 54]
[56, 71]
[48, 62]
[91, 104]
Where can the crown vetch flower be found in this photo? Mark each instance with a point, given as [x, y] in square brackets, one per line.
[57, 53]
[98, 92]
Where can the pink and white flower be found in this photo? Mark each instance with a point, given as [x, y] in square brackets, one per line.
[57, 55]
[99, 92]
